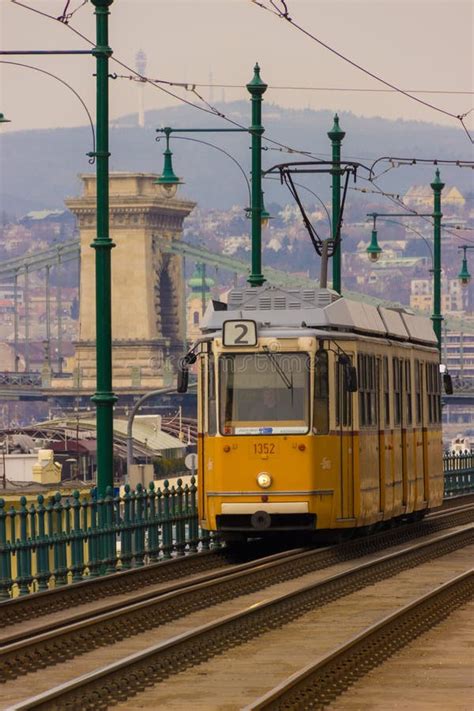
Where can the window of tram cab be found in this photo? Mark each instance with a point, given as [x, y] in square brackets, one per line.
[321, 393]
[264, 393]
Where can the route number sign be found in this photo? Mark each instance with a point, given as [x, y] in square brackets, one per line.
[239, 333]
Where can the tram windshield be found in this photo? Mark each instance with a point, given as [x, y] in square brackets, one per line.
[264, 393]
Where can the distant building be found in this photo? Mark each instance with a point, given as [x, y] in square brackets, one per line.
[459, 354]
[422, 196]
[453, 296]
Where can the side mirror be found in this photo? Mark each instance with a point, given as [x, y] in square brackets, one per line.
[183, 378]
[350, 375]
[448, 384]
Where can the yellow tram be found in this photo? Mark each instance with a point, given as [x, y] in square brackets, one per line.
[316, 413]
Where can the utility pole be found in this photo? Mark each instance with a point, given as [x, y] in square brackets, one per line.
[104, 398]
[437, 186]
[336, 134]
[256, 88]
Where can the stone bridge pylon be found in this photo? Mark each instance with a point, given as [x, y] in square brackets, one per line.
[148, 326]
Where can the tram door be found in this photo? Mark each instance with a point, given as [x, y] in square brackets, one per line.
[344, 425]
[207, 423]
[202, 418]
[380, 384]
[419, 437]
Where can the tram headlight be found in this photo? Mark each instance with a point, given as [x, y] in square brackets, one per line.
[264, 480]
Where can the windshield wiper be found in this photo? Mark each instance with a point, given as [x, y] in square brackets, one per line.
[281, 373]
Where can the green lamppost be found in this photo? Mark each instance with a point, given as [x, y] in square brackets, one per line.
[169, 181]
[374, 250]
[336, 134]
[464, 276]
[104, 398]
[437, 186]
[256, 88]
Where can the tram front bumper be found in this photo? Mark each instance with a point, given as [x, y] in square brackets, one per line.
[261, 516]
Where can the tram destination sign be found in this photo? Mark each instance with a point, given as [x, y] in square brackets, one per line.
[239, 333]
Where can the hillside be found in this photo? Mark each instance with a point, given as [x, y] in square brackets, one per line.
[39, 168]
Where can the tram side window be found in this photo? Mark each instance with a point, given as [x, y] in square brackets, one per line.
[397, 393]
[409, 411]
[418, 389]
[386, 393]
[433, 391]
[343, 398]
[321, 393]
[367, 390]
[211, 380]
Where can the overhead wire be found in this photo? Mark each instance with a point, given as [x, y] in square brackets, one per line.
[54, 76]
[283, 13]
[189, 87]
[397, 200]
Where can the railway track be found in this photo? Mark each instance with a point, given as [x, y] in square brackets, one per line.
[90, 596]
[91, 592]
[194, 609]
[321, 681]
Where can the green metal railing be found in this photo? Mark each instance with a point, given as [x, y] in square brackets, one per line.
[64, 540]
[67, 539]
[458, 473]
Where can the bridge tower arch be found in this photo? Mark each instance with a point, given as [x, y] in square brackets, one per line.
[147, 284]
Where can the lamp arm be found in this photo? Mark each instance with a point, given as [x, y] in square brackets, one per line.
[49, 74]
[218, 148]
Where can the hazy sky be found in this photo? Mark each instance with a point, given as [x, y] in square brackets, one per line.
[416, 44]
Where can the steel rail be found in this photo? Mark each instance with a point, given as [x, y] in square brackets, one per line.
[171, 656]
[320, 682]
[129, 581]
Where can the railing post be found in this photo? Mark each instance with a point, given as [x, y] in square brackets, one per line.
[126, 536]
[193, 518]
[153, 525]
[167, 524]
[110, 537]
[180, 525]
[5, 556]
[24, 551]
[59, 543]
[94, 561]
[139, 533]
[77, 550]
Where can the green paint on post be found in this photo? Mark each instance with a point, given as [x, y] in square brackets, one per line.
[336, 134]
[104, 398]
[437, 186]
[256, 88]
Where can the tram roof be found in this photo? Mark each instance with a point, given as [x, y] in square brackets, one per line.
[303, 308]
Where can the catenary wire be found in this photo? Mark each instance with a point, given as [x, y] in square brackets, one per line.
[284, 14]
[54, 76]
[211, 110]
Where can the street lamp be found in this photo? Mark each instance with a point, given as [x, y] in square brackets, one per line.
[265, 216]
[168, 181]
[3, 119]
[464, 276]
[256, 88]
[374, 250]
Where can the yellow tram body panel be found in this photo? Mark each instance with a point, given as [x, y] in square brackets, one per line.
[306, 478]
